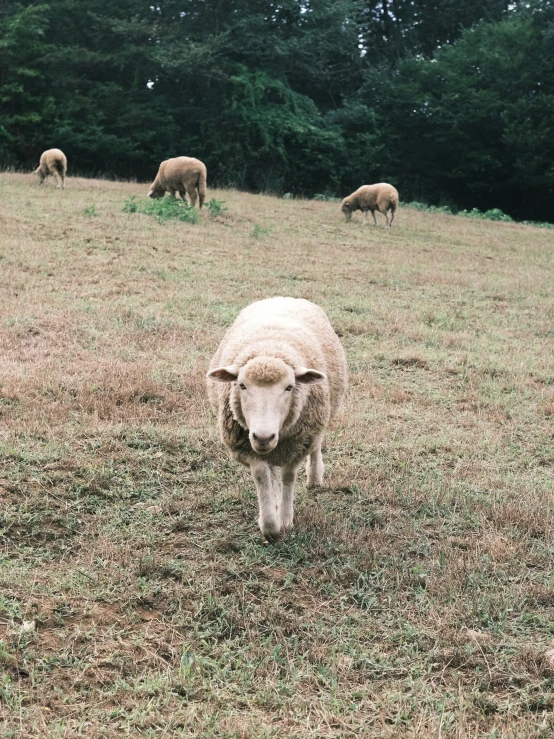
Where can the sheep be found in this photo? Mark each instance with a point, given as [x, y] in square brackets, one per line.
[382, 197]
[184, 174]
[276, 381]
[52, 162]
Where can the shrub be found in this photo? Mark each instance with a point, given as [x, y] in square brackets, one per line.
[326, 197]
[429, 208]
[489, 215]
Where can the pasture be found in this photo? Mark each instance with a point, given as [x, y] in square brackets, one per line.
[415, 597]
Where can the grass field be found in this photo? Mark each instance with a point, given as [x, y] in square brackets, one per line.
[415, 597]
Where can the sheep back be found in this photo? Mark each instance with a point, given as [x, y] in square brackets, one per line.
[53, 161]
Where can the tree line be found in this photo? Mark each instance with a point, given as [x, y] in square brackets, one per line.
[453, 103]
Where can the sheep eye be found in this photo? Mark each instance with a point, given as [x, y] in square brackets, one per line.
[242, 386]
[288, 389]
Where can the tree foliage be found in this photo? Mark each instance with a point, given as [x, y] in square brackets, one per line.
[452, 102]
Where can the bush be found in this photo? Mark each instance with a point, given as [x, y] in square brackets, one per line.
[429, 208]
[326, 197]
[489, 215]
[539, 224]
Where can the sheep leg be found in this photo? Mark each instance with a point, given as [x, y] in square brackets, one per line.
[288, 477]
[191, 192]
[315, 467]
[268, 487]
[365, 217]
[374, 219]
[391, 217]
[171, 192]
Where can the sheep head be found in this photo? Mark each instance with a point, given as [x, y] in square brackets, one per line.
[156, 191]
[265, 394]
[347, 209]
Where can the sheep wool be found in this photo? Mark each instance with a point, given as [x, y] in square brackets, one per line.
[381, 197]
[52, 162]
[276, 381]
[183, 174]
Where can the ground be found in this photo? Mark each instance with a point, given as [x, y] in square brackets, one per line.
[137, 597]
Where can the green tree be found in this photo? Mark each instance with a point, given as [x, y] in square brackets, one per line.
[474, 126]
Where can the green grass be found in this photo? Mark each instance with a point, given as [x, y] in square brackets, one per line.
[163, 209]
[414, 598]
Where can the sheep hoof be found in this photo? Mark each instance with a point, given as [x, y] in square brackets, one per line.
[271, 530]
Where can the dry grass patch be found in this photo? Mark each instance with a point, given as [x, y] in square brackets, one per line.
[414, 598]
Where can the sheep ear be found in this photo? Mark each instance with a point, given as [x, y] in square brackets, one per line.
[306, 376]
[224, 374]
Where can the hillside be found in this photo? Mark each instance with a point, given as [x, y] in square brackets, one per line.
[415, 595]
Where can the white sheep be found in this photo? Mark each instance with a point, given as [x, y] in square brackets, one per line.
[276, 381]
[52, 162]
[185, 174]
[382, 197]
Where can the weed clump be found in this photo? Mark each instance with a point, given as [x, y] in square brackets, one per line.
[163, 209]
[216, 207]
[259, 231]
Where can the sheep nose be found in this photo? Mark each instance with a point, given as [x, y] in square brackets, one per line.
[263, 440]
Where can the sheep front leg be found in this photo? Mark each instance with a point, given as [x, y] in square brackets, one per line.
[315, 467]
[288, 476]
[268, 487]
[374, 219]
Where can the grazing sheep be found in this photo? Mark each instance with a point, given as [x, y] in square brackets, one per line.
[52, 162]
[382, 197]
[184, 174]
[276, 381]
